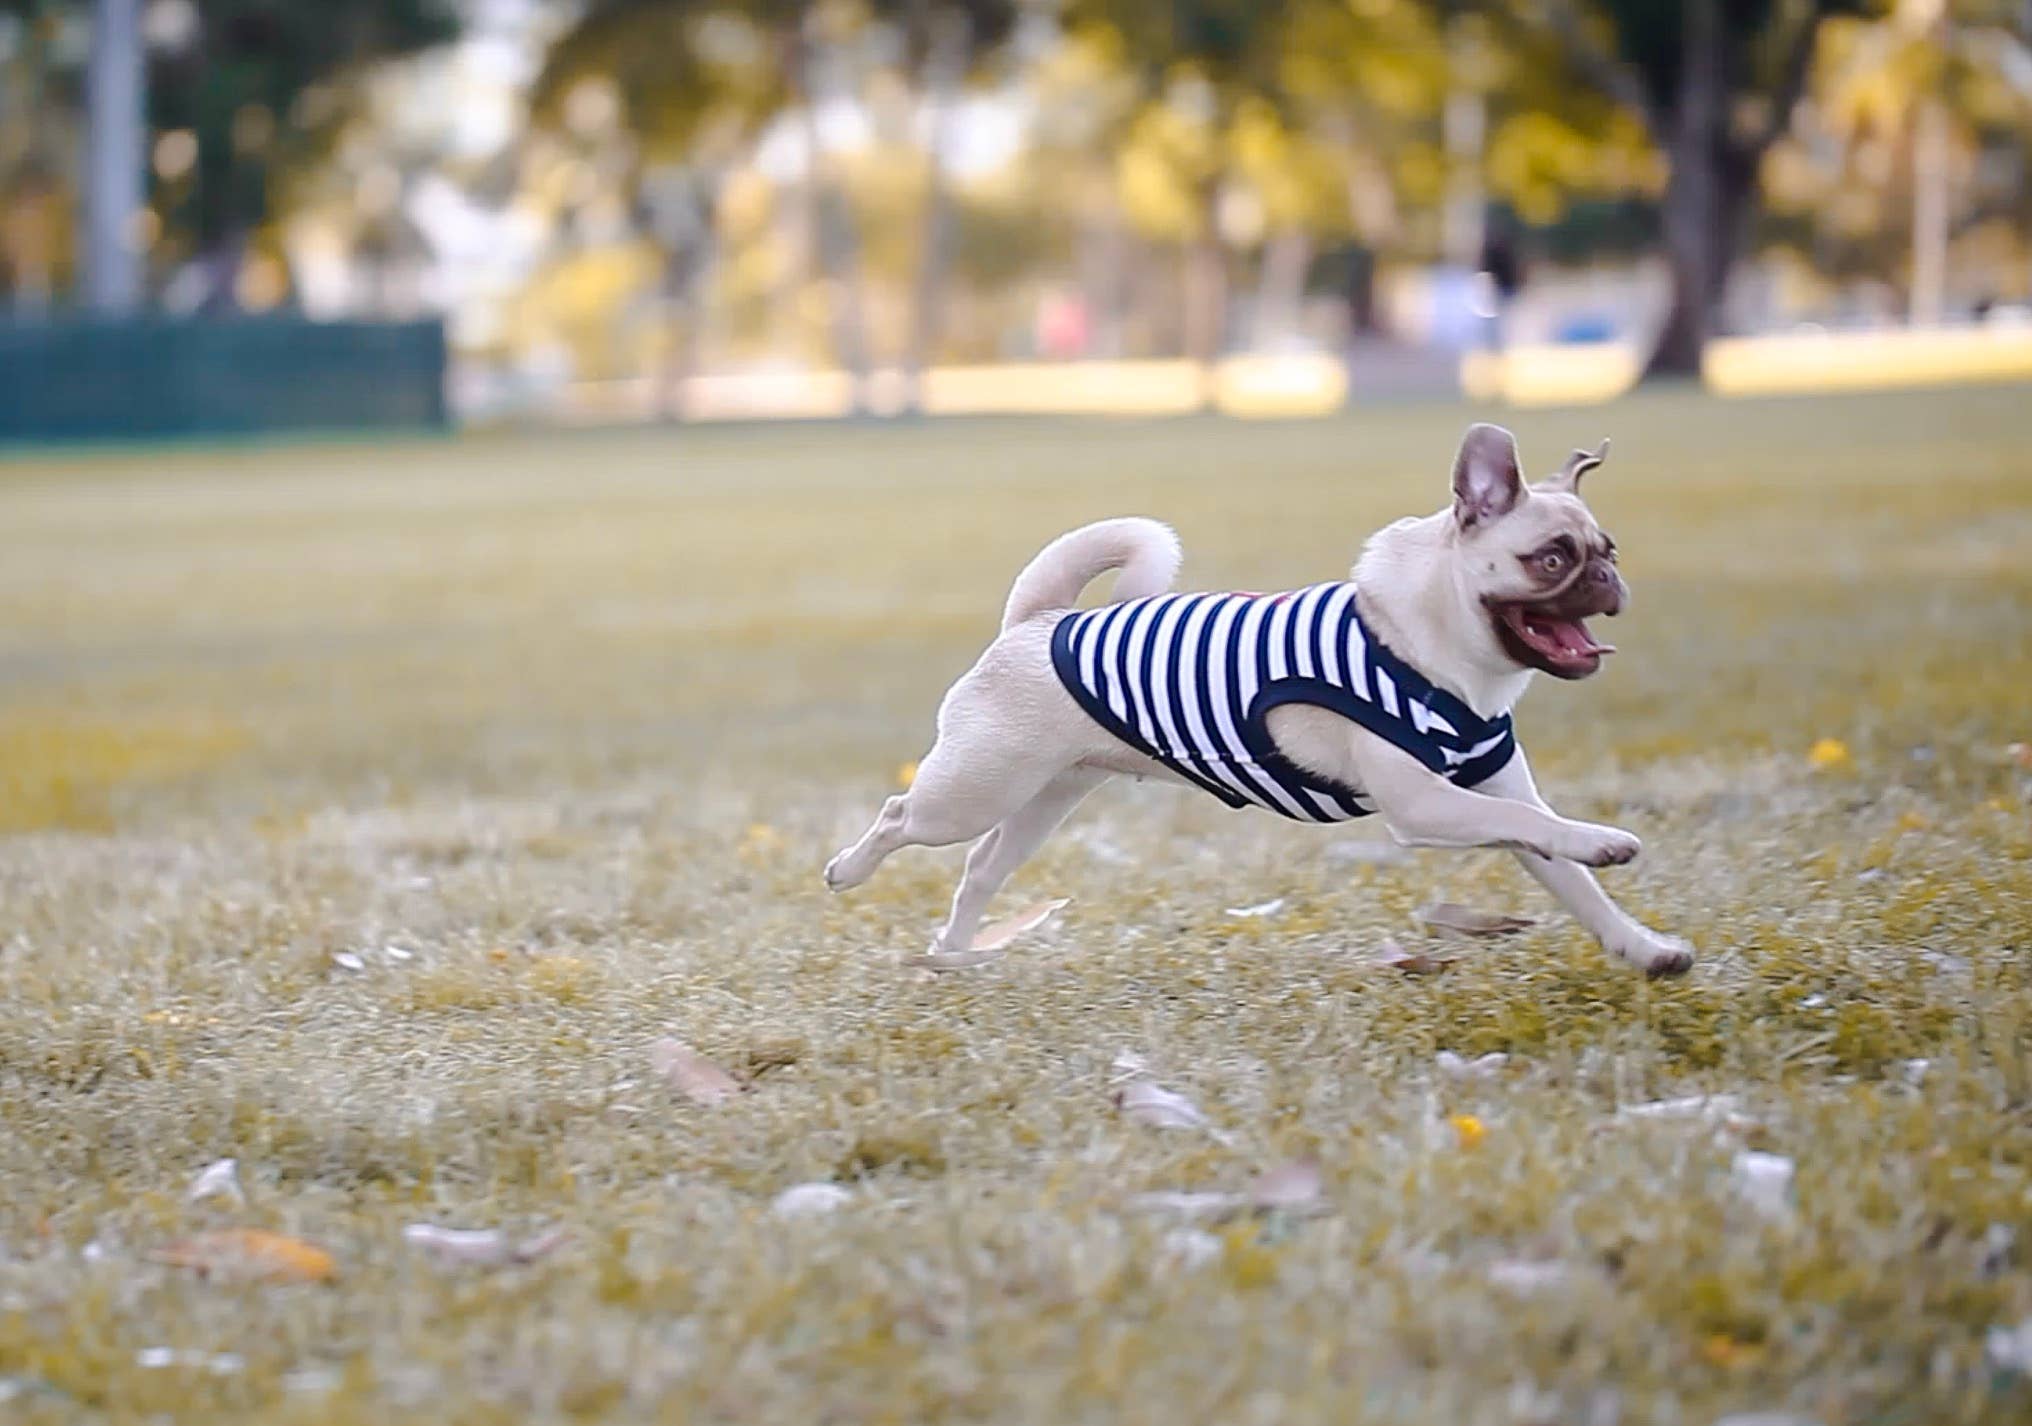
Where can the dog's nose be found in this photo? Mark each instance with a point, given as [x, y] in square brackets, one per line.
[1607, 586]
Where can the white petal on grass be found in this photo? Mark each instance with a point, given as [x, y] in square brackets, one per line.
[219, 1179]
[1160, 1108]
[810, 1200]
[1722, 1110]
[1261, 908]
[1187, 1204]
[1486, 1066]
[211, 1363]
[1764, 1181]
[1190, 1248]
[2010, 1348]
[1459, 920]
[691, 1073]
[482, 1247]
[1524, 1276]
[1293, 1185]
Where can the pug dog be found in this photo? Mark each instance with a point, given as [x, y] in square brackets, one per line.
[1388, 693]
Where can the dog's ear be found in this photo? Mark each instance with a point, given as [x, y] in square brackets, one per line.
[1577, 465]
[1487, 481]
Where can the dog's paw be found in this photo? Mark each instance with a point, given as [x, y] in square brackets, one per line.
[1591, 845]
[836, 879]
[1658, 956]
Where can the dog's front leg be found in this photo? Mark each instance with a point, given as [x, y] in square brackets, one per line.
[1621, 934]
[1423, 809]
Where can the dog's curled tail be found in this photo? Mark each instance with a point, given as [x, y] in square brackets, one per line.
[1146, 553]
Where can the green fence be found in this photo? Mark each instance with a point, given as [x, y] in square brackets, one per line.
[82, 380]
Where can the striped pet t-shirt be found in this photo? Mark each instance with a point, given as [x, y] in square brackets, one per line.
[1188, 679]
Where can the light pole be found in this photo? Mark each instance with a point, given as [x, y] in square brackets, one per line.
[115, 163]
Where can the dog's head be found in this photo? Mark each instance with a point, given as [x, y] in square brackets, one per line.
[1533, 554]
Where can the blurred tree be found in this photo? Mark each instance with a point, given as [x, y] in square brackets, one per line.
[696, 83]
[946, 41]
[258, 86]
[1715, 83]
[1916, 138]
[1203, 64]
[700, 80]
[41, 62]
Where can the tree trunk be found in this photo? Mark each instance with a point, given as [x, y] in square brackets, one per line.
[1102, 260]
[944, 66]
[1206, 289]
[1701, 229]
[1930, 213]
[832, 253]
[1280, 289]
[685, 274]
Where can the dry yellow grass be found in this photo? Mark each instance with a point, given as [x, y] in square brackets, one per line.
[369, 812]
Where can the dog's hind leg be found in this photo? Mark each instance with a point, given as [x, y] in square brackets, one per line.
[1006, 846]
[962, 789]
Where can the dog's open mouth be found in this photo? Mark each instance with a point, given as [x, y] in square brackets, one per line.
[1557, 644]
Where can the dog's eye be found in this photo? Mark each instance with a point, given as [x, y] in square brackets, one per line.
[1552, 562]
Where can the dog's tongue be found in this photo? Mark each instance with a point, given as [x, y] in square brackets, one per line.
[1570, 636]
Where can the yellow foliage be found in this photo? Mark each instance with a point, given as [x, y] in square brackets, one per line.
[61, 772]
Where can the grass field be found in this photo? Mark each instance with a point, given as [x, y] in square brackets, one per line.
[368, 812]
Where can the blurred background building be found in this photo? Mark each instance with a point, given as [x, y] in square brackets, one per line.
[689, 208]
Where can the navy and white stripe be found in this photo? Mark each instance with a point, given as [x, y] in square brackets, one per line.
[1188, 679]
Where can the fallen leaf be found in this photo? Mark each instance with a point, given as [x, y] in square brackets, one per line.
[691, 1073]
[217, 1180]
[1469, 1130]
[252, 1254]
[1828, 752]
[2020, 753]
[1359, 853]
[486, 1247]
[1261, 908]
[990, 939]
[1461, 920]
[1764, 1181]
[1391, 956]
[1722, 1350]
[810, 1200]
[998, 934]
